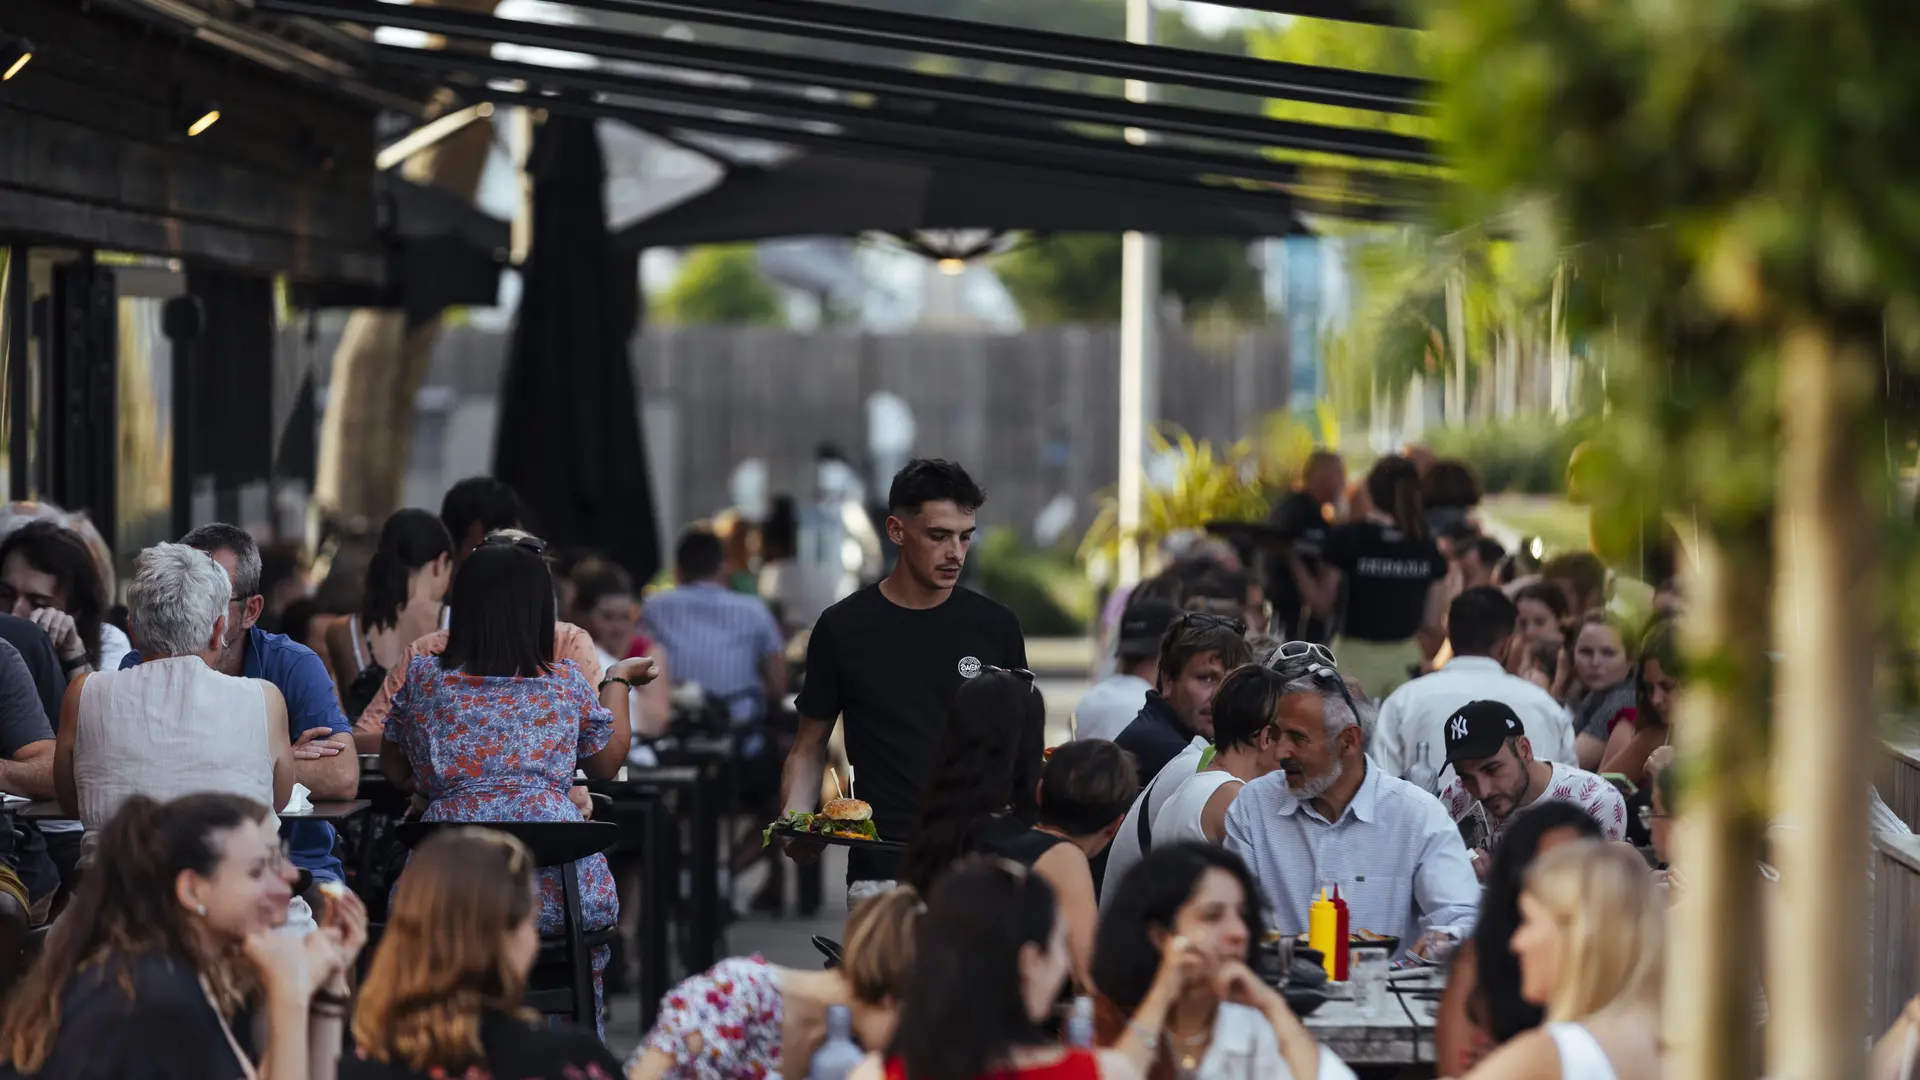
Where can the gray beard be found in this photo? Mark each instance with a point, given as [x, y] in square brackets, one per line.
[1315, 786]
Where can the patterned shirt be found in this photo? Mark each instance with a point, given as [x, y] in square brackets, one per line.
[1599, 798]
[717, 639]
[1395, 854]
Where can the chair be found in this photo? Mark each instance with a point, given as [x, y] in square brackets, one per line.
[553, 844]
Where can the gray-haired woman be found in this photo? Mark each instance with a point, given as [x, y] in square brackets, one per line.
[174, 725]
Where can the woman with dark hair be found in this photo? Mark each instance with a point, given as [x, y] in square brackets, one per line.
[1394, 579]
[987, 767]
[48, 575]
[1223, 1021]
[989, 964]
[1657, 679]
[493, 727]
[168, 965]
[1482, 1007]
[407, 580]
[607, 607]
[443, 994]
[1449, 492]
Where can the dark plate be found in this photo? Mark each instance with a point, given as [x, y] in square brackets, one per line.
[840, 841]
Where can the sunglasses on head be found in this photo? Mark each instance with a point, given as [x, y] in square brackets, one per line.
[1207, 619]
[526, 543]
[1296, 650]
[1019, 673]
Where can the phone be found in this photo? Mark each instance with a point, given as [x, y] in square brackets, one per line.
[1619, 780]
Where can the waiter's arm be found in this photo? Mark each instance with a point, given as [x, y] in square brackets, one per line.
[800, 779]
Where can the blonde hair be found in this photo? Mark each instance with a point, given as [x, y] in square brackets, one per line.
[877, 959]
[442, 962]
[1612, 926]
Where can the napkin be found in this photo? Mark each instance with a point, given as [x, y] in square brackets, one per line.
[299, 802]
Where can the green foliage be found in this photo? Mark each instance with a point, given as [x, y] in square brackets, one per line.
[1075, 277]
[1208, 485]
[1525, 455]
[1049, 594]
[719, 285]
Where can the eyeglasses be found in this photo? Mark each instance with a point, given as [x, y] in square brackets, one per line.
[1648, 817]
[1295, 650]
[1203, 620]
[527, 543]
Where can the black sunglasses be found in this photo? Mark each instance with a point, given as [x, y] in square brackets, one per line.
[526, 543]
[1206, 619]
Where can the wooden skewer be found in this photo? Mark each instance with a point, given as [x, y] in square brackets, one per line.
[835, 773]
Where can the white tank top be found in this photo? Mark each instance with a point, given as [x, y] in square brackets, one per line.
[1179, 817]
[1581, 1057]
[164, 729]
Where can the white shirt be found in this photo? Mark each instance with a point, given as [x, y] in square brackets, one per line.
[1418, 712]
[1395, 854]
[1243, 1045]
[1600, 799]
[1125, 849]
[1179, 817]
[1109, 706]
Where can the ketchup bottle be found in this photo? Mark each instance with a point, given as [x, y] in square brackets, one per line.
[1343, 938]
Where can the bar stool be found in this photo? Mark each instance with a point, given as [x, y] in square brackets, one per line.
[568, 955]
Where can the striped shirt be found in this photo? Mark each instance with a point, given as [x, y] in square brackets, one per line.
[717, 639]
[1395, 854]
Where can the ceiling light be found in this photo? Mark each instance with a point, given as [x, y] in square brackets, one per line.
[207, 119]
[953, 267]
[13, 57]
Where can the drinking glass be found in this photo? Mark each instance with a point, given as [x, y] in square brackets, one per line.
[1369, 971]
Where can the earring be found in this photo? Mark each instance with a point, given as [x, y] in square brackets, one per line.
[200, 910]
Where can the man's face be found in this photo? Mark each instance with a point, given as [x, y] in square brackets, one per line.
[1473, 572]
[1311, 761]
[242, 611]
[1190, 692]
[1328, 481]
[1498, 782]
[933, 543]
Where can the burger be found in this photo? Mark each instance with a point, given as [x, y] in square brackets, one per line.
[850, 819]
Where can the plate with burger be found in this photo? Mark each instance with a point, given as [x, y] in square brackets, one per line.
[847, 822]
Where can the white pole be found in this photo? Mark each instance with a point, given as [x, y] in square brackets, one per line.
[1139, 337]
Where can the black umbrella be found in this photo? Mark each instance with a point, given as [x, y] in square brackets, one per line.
[569, 436]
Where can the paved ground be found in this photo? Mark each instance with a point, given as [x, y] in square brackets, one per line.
[1061, 665]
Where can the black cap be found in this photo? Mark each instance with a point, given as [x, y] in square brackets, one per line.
[1479, 729]
[1144, 623]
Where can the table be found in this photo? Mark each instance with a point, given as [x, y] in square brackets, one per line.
[333, 812]
[1400, 1032]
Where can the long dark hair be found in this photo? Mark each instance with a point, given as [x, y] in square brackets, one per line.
[988, 762]
[1497, 1005]
[1662, 644]
[967, 1010]
[53, 549]
[409, 540]
[1394, 486]
[1125, 958]
[126, 906]
[502, 605]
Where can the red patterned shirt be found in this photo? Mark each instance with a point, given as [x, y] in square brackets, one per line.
[1599, 798]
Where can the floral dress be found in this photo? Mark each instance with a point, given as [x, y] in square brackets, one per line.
[736, 1009]
[504, 748]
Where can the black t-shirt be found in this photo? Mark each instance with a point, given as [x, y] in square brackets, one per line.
[1154, 738]
[890, 674]
[515, 1050]
[1388, 575]
[167, 1030]
[1299, 515]
[1010, 838]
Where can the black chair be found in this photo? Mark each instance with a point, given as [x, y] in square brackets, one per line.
[829, 948]
[567, 957]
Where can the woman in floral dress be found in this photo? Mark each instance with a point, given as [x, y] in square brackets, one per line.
[493, 727]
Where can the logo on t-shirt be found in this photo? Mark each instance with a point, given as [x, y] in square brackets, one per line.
[969, 666]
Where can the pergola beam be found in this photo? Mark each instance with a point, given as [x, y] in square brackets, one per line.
[1210, 71]
[1370, 12]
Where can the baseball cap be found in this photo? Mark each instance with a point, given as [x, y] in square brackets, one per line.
[1479, 729]
[1144, 623]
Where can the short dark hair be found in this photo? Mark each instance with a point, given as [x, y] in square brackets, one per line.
[53, 549]
[1450, 482]
[596, 579]
[1087, 785]
[1125, 958]
[1219, 583]
[220, 536]
[1582, 569]
[1487, 548]
[1478, 619]
[1196, 634]
[926, 480]
[1245, 705]
[482, 501]
[699, 554]
[1548, 594]
[502, 613]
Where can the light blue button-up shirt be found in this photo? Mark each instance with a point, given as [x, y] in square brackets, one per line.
[1395, 854]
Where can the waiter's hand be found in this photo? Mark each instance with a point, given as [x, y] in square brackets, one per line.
[800, 849]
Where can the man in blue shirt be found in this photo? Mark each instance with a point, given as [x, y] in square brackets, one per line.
[322, 737]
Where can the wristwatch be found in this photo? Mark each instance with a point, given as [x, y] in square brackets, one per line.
[615, 679]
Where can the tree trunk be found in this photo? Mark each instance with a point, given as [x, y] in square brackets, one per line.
[1720, 731]
[1825, 529]
[1455, 400]
[381, 359]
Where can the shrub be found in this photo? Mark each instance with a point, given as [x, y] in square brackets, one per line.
[1525, 455]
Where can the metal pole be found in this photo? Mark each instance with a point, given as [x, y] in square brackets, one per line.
[19, 408]
[1139, 338]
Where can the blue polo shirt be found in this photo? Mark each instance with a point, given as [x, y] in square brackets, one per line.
[302, 679]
